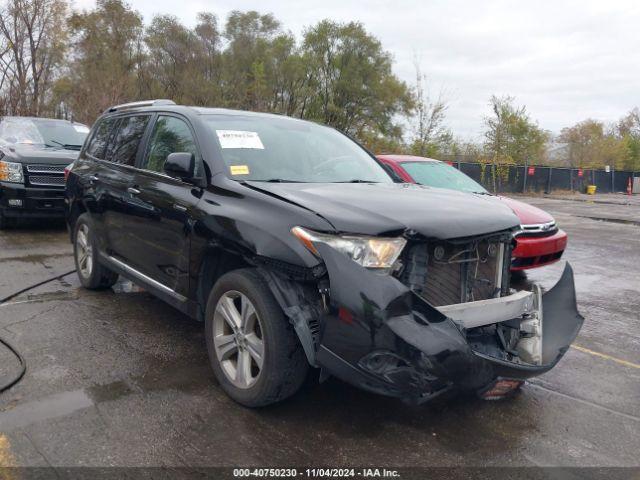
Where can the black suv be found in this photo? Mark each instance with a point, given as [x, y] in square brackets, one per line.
[33, 155]
[296, 248]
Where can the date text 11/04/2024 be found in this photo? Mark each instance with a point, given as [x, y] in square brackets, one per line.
[316, 472]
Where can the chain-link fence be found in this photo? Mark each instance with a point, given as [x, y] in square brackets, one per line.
[519, 178]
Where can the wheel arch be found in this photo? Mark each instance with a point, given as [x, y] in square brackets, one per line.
[75, 210]
[215, 262]
[299, 300]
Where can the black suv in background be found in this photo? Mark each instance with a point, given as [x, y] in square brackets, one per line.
[33, 155]
[297, 249]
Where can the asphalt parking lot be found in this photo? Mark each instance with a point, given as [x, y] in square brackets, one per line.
[119, 378]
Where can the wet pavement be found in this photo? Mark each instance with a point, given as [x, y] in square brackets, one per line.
[122, 378]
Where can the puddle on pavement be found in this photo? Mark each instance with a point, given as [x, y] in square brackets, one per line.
[58, 295]
[57, 405]
[35, 258]
[184, 378]
[189, 377]
[109, 392]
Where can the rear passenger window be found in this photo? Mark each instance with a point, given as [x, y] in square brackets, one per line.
[100, 138]
[125, 144]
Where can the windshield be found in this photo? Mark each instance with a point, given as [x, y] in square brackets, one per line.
[288, 150]
[441, 175]
[40, 131]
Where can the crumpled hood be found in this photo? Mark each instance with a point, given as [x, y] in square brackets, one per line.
[24, 153]
[375, 209]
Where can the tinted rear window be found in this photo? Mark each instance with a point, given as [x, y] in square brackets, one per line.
[127, 139]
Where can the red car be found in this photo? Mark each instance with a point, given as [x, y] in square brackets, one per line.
[539, 243]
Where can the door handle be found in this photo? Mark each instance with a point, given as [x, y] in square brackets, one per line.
[133, 191]
[180, 208]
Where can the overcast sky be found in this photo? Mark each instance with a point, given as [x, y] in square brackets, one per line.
[565, 60]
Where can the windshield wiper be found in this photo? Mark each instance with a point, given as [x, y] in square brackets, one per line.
[277, 180]
[358, 180]
[284, 180]
[68, 146]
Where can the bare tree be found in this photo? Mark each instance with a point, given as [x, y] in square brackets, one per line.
[32, 43]
[430, 134]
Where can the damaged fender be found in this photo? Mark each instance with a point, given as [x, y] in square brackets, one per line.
[297, 304]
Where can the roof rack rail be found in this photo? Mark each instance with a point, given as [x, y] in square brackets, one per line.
[143, 103]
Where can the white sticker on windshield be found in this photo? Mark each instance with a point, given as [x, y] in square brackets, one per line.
[239, 139]
[81, 128]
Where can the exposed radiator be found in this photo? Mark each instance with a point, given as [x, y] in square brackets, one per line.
[446, 273]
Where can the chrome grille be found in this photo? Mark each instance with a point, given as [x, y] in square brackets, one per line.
[537, 230]
[46, 175]
[46, 168]
[46, 181]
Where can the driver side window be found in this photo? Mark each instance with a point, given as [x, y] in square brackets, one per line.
[170, 135]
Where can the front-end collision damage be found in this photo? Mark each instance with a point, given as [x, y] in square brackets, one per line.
[561, 319]
[371, 330]
[302, 305]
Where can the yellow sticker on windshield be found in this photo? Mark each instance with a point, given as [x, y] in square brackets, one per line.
[239, 169]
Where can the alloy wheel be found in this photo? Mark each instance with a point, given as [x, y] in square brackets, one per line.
[237, 338]
[84, 251]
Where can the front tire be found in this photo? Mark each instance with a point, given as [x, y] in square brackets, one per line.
[254, 351]
[93, 275]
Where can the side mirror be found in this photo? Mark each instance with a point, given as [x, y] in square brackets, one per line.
[183, 165]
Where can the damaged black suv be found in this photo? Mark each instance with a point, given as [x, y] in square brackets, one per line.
[296, 248]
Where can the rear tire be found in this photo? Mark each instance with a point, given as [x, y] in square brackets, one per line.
[253, 349]
[93, 275]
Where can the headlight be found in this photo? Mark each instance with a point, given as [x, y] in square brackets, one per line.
[11, 172]
[369, 252]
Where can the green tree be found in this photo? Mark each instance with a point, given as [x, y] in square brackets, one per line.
[351, 83]
[183, 64]
[250, 37]
[628, 129]
[510, 134]
[209, 91]
[107, 54]
[591, 144]
[286, 76]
